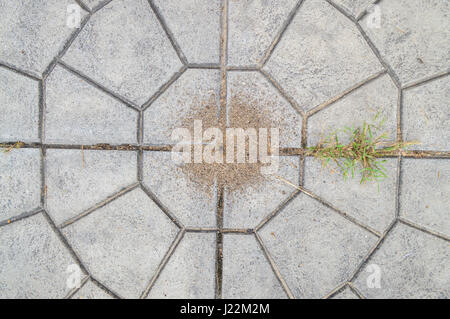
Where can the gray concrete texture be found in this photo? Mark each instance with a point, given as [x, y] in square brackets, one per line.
[92, 206]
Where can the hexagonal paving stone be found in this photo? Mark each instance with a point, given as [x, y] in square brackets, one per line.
[124, 48]
[33, 32]
[192, 203]
[190, 271]
[252, 26]
[365, 104]
[78, 180]
[424, 193]
[247, 207]
[314, 248]
[246, 271]
[78, 113]
[123, 243]
[413, 37]
[321, 55]
[91, 291]
[345, 294]
[251, 90]
[33, 261]
[196, 27]
[412, 264]
[19, 114]
[191, 93]
[354, 7]
[426, 116]
[20, 182]
[372, 204]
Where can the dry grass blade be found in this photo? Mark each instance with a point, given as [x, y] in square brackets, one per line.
[13, 146]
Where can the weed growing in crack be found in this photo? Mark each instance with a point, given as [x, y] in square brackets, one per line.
[363, 153]
[9, 148]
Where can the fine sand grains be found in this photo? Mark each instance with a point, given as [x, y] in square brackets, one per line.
[242, 112]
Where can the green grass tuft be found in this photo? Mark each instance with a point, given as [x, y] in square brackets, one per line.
[362, 154]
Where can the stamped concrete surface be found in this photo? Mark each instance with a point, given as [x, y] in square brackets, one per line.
[94, 206]
[426, 115]
[20, 185]
[356, 7]
[22, 96]
[91, 291]
[321, 54]
[190, 271]
[416, 268]
[247, 273]
[412, 37]
[124, 48]
[78, 180]
[33, 260]
[196, 26]
[345, 294]
[34, 32]
[424, 197]
[314, 248]
[86, 114]
[255, 23]
[123, 243]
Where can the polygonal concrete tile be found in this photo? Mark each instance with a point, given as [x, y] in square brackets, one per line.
[123, 243]
[426, 115]
[91, 291]
[78, 113]
[78, 180]
[413, 37]
[314, 248]
[92, 4]
[250, 90]
[412, 264]
[195, 25]
[190, 271]
[372, 203]
[33, 32]
[192, 203]
[252, 26]
[321, 55]
[20, 182]
[365, 104]
[124, 48]
[345, 294]
[354, 7]
[246, 271]
[424, 193]
[19, 112]
[33, 261]
[247, 207]
[189, 95]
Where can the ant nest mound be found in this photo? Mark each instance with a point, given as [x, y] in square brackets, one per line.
[242, 112]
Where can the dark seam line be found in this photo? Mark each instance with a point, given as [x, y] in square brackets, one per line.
[169, 34]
